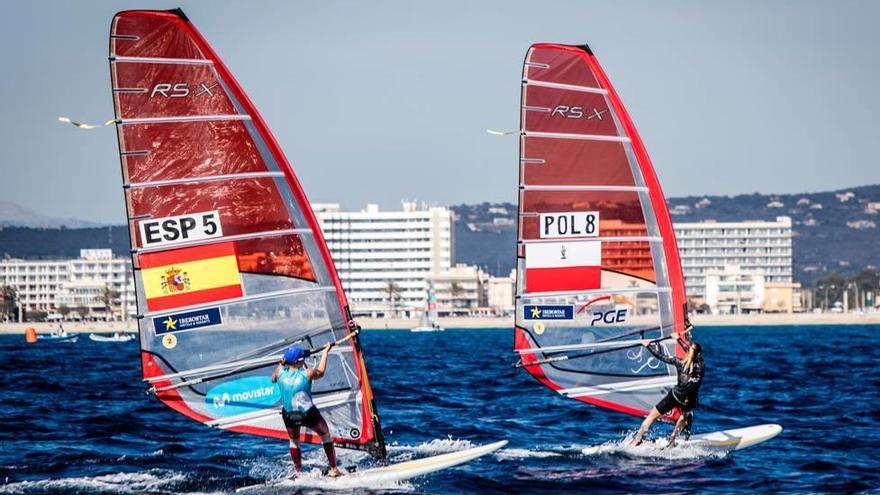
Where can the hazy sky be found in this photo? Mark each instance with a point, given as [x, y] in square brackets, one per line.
[382, 101]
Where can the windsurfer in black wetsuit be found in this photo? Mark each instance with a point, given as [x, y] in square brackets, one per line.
[685, 393]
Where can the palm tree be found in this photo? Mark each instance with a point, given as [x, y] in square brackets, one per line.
[392, 290]
[455, 290]
[8, 299]
[109, 297]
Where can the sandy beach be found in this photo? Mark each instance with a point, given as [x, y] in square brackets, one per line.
[478, 323]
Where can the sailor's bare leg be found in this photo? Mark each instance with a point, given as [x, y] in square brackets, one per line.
[295, 452]
[646, 425]
[324, 432]
[679, 424]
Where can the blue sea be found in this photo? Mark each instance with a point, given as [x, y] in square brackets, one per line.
[75, 419]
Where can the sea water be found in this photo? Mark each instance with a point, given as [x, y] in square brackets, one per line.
[75, 420]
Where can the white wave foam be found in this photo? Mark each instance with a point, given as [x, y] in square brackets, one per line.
[147, 481]
[516, 454]
[658, 449]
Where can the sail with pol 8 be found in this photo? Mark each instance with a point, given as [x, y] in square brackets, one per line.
[597, 263]
[229, 261]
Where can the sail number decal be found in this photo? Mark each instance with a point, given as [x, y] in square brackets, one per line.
[569, 224]
[182, 228]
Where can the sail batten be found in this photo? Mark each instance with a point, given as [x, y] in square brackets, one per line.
[229, 261]
[596, 255]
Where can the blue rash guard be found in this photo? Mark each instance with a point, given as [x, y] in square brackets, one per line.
[296, 390]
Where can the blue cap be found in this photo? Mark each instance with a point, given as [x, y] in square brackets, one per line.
[293, 354]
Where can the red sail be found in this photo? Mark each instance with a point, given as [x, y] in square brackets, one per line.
[598, 266]
[200, 168]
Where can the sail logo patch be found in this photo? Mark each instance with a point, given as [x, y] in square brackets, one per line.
[605, 310]
[574, 112]
[241, 396]
[169, 231]
[181, 90]
[190, 320]
[571, 224]
[548, 312]
[189, 276]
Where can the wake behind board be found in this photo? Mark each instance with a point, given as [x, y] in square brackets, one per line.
[718, 441]
[385, 474]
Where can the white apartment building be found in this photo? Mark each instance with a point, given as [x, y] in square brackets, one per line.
[500, 294]
[46, 285]
[734, 291]
[459, 290]
[751, 246]
[378, 253]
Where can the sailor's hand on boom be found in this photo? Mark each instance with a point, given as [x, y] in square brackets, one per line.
[322, 365]
[277, 370]
[645, 342]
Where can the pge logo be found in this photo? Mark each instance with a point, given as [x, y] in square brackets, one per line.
[603, 314]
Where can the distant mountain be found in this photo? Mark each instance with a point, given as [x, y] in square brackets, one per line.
[13, 215]
[832, 231]
[28, 242]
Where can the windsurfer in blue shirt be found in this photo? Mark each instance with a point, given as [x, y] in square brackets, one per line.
[295, 381]
[685, 393]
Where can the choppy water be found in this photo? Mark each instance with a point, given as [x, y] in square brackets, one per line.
[75, 420]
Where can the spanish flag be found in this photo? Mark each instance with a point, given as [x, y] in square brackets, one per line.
[188, 276]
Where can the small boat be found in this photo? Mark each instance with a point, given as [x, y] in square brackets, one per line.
[60, 337]
[428, 321]
[116, 337]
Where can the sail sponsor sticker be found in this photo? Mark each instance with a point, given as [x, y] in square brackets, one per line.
[539, 328]
[569, 224]
[190, 320]
[607, 310]
[243, 395]
[548, 312]
[168, 231]
[190, 276]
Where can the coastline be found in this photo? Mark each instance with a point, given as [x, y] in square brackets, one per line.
[767, 319]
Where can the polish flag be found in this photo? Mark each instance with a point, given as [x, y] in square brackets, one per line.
[563, 266]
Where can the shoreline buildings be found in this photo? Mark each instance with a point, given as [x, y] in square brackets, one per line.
[386, 259]
[96, 285]
[739, 267]
[383, 258]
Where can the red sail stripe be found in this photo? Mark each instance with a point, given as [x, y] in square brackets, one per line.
[194, 297]
[563, 279]
[183, 255]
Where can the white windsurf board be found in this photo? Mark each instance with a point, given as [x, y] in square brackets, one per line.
[386, 474]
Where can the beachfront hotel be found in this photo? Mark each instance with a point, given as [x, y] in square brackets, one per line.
[77, 284]
[752, 255]
[384, 258]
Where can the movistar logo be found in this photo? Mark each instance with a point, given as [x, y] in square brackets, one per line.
[182, 89]
[240, 397]
[570, 112]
